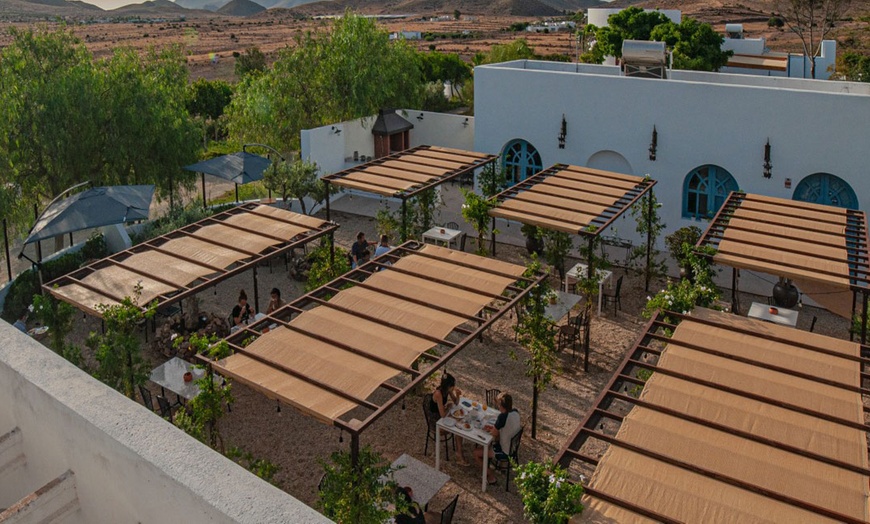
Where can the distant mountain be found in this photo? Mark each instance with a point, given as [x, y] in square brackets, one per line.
[151, 8]
[47, 8]
[208, 5]
[241, 8]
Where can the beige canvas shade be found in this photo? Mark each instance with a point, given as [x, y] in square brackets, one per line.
[674, 463]
[819, 247]
[569, 198]
[367, 335]
[409, 171]
[188, 258]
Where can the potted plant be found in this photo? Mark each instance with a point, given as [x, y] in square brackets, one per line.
[675, 243]
[534, 240]
[548, 497]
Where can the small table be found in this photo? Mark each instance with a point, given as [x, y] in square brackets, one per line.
[579, 271]
[564, 303]
[478, 436]
[170, 375]
[257, 318]
[783, 316]
[425, 480]
[441, 234]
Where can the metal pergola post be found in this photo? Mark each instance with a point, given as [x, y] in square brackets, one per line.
[492, 234]
[404, 219]
[591, 274]
[202, 177]
[649, 213]
[735, 281]
[256, 292]
[6, 244]
[864, 319]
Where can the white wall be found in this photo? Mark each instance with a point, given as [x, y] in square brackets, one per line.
[440, 129]
[744, 46]
[129, 464]
[701, 118]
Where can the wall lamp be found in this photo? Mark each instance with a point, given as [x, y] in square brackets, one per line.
[767, 165]
[420, 116]
[654, 144]
[335, 131]
[465, 122]
[563, 132]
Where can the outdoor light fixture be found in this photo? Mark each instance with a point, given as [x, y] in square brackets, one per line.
[420, 116]
[654, 144]
[465, 122]
[563, 133]
[336, 131]
[767, 164]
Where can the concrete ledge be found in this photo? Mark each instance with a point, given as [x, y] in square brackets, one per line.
[130, 465]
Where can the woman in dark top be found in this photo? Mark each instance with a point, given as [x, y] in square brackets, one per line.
[243, 311]
[443, 398]
[412, 515]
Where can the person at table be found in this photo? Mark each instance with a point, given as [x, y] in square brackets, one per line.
[275, 301]
[359, 251]
[445, 396]
[383, 246]
[412, 514]
[21, 323]
[243, 311]
[507, 425]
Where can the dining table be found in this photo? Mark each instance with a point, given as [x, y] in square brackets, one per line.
[170, 375]
[439, 235]
[579, 271]
[555, 310]
[423, 479]
[467, 420]
[776, 315]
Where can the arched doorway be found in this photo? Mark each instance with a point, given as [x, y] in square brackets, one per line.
[827, 189]
[705, 190]
[607, 160]
[520, 160]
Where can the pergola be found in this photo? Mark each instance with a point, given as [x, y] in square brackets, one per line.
[408, 173]
[350, 350]
[184, 262]
[576, 200]
[724, 418]
[823, 248]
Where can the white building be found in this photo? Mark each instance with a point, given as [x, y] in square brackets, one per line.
[711, 132]
[752, 57]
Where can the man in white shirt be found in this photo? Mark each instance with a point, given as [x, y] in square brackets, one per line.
[506, 427]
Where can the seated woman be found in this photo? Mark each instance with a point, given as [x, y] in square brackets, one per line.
[242, 312]
[506, 426]
[275, 301]
[445, 396]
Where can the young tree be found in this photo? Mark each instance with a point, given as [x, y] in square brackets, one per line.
[475, 211]
[632, 23]
[812, 21]
[853, 67]
[118, 350]
[696, 46]
[356, 494]
[295, 179]
[536, 334]
[252, 61]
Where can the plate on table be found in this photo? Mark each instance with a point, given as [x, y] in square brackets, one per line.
[458, 414]
[449, 422]
[464, 425]
[38, 331]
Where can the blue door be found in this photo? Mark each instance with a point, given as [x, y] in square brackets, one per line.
[520, 160]
[826, 189]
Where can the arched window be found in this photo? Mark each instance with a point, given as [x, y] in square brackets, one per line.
[705, 190]
[827, 189]
[520, 160]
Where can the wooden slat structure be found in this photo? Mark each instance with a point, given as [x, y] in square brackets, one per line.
[823, 248]
[727, 419]
[407, 173]
[348, 351]
[186, 261]
[572, 199]
[575, 200]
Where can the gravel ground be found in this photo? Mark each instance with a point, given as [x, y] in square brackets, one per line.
[295, 442]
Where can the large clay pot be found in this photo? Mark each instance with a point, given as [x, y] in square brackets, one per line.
[785, 294]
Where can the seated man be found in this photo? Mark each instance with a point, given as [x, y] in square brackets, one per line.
[506, 426]
[359, 251]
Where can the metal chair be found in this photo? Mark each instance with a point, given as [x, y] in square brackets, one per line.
[462, 238]
[451, 225]
[146, 397]
[430, 428]
[492, 396]
[615, 297]
[569, 333]
[513, 455]
[446, 516]
[165, 408]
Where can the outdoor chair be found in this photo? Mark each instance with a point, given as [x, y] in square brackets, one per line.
[513, 455]
[146, 397]
[615, 297]
[569, 333]
[446, 516]
[165, 408]
[491, 396]
[451, 225]
[813, 323]
[430, 428]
